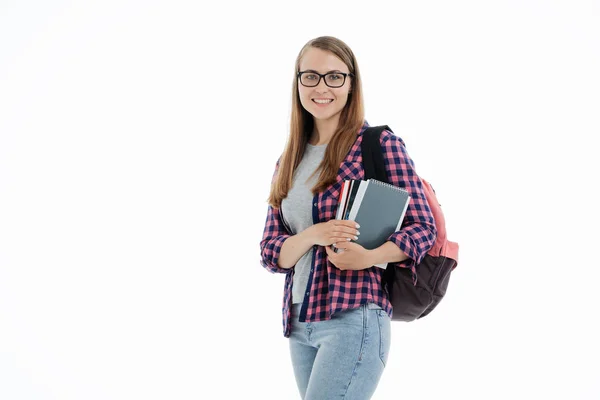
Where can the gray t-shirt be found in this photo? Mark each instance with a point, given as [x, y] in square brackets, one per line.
[296, 210]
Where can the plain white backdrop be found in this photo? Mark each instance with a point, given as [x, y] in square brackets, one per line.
[137, 143]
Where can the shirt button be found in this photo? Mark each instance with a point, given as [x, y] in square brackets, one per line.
[315, 204]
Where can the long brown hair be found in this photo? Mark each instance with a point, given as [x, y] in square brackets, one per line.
[301, 126]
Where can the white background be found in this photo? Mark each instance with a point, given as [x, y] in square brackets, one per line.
[137, 144]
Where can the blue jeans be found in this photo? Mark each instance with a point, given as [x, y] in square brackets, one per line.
[342, 358]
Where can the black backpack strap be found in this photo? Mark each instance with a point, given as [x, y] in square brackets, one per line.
[374, 167]
[373, 162]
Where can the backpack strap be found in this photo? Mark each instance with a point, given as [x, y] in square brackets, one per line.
[374, 166]
[372, 155]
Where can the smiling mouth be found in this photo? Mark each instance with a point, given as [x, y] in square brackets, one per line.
[322, 101]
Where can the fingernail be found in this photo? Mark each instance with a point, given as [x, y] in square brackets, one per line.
[355, 237]
[358, 232]
[357, 226]
[348, 239]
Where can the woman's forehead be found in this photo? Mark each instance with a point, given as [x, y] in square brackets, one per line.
[321, 61]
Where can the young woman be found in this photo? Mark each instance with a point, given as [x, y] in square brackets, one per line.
[335, 311]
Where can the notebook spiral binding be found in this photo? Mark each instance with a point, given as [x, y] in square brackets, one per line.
[389, 185]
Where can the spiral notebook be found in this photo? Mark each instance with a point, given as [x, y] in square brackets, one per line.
[379, 209]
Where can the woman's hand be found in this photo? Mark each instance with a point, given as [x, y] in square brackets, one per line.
[333, 231]
[351, 256]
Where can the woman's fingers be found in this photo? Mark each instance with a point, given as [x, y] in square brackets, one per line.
[344, 230]
[349, 232]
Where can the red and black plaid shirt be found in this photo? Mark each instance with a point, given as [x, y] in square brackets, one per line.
[330, 289]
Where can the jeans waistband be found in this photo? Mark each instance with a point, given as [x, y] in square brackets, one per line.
[370, 306]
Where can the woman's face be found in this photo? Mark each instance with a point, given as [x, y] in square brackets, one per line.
[323, 102]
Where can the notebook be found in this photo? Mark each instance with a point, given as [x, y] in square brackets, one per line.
[379, 209]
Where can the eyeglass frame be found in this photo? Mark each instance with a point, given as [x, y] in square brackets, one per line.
[322, 76]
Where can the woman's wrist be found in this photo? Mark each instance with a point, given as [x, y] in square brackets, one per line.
[386, 253]
[294, 248]
[306, 237]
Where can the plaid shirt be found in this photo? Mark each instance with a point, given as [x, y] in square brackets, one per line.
[330, 289]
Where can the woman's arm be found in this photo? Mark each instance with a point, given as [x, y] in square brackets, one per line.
[274, 236]
[280, 250]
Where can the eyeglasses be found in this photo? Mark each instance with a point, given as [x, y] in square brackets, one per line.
[332, 79]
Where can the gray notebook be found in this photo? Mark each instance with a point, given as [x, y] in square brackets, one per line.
[379, 209]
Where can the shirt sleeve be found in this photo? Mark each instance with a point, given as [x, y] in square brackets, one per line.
[418, 232]
[274, 235]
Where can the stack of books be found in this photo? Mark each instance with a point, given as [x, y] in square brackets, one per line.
[376, 206]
